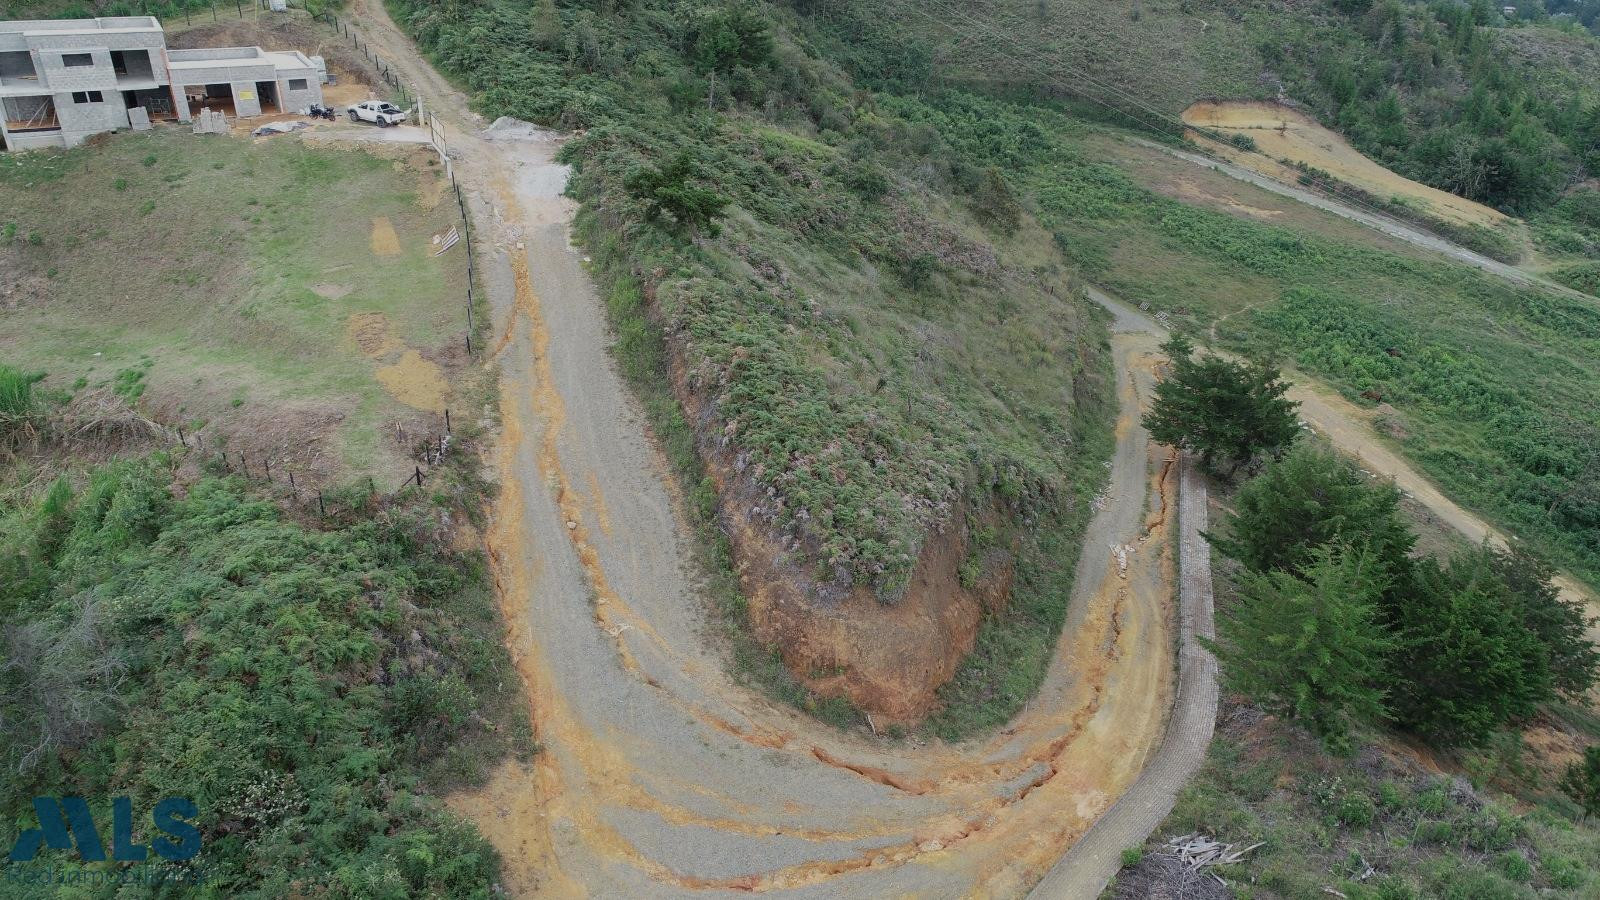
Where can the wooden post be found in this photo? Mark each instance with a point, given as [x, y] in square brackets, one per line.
[372, 487]
[244, 465]
[267, 461]
[320, 508]
[419, 476]
[292, 488]
[447, 409]
[180, 437]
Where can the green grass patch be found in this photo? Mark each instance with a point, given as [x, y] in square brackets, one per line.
[222, 290]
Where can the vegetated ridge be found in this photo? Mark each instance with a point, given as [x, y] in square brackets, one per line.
[885, 370]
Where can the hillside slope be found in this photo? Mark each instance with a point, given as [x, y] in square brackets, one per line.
[880, 360]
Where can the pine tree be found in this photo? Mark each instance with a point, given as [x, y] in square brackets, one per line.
[1466, 664]
[1221, 409]
[1582, 781]
[1310, 648]
[1308, 499]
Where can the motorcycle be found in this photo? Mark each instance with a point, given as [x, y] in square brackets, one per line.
[322, 112]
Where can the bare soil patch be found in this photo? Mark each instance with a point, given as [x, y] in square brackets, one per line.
[1284, 133]
[384, 241]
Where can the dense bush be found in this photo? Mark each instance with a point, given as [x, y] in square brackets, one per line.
[1360, 629]
[291, 682]
[1426, 90]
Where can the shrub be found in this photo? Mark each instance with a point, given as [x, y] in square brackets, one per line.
[1514, 866]
[673, 190]
[1356, 810]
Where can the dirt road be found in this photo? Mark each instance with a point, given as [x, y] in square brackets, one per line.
[1096, 857]
[659, 777]
[1392, 227]
[1282, 132]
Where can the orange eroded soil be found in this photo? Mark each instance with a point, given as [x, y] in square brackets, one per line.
[660, 776]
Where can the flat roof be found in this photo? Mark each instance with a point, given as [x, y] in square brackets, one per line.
[110, 23]
[222, 57]
[213, 57]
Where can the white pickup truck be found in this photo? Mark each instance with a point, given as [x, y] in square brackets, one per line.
[379, 112]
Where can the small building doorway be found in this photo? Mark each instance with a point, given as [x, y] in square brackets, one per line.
[157, 103]
[267, 94]
[217, 97]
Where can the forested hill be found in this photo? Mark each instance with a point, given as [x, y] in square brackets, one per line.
[1452, 94]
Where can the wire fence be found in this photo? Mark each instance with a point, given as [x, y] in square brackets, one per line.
[423, 111]
[280, 481]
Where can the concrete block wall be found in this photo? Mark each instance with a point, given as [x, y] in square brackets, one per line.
[79, 121]
[295, 100]
[35, 140]
[222, 73]
[242, 107]
[57, 76]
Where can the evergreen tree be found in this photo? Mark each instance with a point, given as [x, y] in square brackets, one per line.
[733, 35]
[1465, 662]
[1582, 781]
[1221, 409]
[1561, 625]
[1310, 648]
[1311, 498]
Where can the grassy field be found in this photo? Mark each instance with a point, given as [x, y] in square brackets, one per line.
[280, 297]
[1494, 390]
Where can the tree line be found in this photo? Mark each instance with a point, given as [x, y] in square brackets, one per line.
[1338, 620]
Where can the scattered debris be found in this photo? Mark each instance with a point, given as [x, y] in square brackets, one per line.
[446, 241]
[1121, 552]
[1200, 852]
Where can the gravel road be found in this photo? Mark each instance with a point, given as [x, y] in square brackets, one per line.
[1392, 227]
[658, 775]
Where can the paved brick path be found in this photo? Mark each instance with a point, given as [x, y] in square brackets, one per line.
[1084, 871]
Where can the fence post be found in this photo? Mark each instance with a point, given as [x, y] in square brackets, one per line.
[244, 465]
[320, 508]
[267, 461]
[180, 437]
[419, 475]
[447, 416]
[292, 489]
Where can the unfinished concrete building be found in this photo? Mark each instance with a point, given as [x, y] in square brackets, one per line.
[63, 80]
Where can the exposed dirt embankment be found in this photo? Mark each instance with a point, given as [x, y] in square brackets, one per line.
[840, 640]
